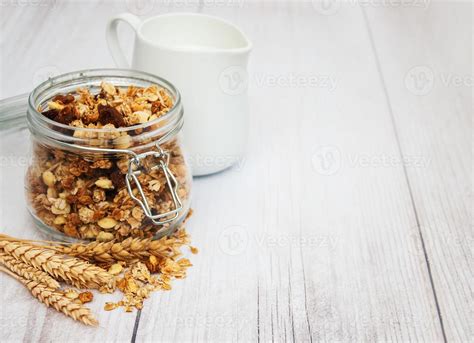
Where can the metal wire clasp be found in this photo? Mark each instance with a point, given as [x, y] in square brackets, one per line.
[135, 168]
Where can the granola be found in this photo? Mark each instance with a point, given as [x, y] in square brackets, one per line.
[84, 195]
[112, 107]
[138, 283]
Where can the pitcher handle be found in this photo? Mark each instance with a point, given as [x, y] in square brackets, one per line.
[112, 37]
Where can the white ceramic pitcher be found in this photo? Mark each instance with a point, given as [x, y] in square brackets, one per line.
[206, 59]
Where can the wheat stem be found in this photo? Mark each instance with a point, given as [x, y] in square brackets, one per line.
[4, 237]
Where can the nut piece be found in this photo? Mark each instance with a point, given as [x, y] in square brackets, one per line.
[151, 93]
[86, 215]
[108, 88]
[86, 297]
[141, 116]
[107, 223]
[104, 236]
[54, 105]
[59, 220]
[60, 206]
[104, 183]
[48, 178]
[123, 142]
[137, 213]
[51, 193]
[98, 195]
[115, 269]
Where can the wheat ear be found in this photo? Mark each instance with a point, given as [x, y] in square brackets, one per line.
[26, 271]
[78, 273]
[128, 250]
[55, 299]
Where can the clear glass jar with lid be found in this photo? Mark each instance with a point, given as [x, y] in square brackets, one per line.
[110, 182]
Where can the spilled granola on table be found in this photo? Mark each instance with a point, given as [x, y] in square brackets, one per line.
[84, 195]
[141, 279]
[135, 275]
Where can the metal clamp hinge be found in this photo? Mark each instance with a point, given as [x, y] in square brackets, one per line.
[134, 170]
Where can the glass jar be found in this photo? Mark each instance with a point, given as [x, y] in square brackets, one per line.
[108, 183]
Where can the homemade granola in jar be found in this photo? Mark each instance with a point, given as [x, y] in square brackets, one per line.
[107, 162]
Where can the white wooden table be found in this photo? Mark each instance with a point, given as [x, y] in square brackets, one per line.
[350, 218]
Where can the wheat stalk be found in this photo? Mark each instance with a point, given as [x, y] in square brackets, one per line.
[129, 250]
[26, 271]
[55, 299]
[78, 273]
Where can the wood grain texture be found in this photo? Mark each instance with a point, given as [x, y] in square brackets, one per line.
[350, 205]
[325, 257]
[429, 90]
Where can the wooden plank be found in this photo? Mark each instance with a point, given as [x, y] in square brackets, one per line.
[427, 72]
[313, 236]
[312, 239]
